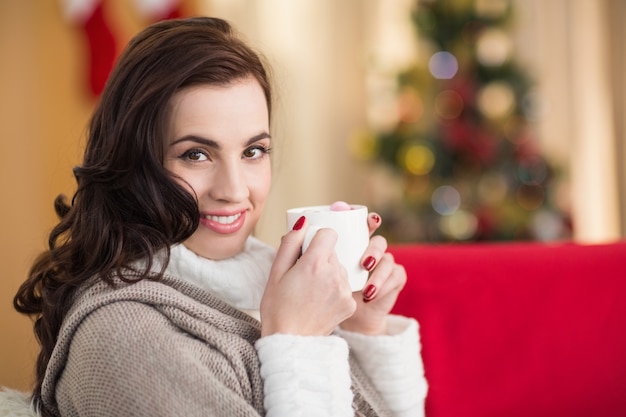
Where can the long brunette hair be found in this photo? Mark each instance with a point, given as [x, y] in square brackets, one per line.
[127, 207]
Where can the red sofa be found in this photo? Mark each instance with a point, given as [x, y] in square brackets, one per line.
[519, 329]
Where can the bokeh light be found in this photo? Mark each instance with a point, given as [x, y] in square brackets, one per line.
[410, 106]
[418, 159]
[496, 100]
[446, 200]
[443, 65]
[547, 225]
[493, 47]
[449, 104]
[461, 225]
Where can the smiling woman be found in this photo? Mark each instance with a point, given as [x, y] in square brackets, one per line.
[153, 297]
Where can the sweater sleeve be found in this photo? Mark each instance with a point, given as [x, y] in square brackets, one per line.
[394, 365]
[305, 376]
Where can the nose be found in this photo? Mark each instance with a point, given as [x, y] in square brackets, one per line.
[229, 183]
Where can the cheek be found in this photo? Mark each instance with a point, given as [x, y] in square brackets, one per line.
[260, 182]
[193, 184]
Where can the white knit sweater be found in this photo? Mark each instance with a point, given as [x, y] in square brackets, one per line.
[307, 375]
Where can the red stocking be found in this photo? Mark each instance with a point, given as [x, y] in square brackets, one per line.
[102, 49]
[100, 42]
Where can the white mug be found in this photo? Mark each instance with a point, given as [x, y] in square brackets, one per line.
[352, 235]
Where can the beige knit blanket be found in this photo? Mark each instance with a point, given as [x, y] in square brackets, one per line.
[162, 348]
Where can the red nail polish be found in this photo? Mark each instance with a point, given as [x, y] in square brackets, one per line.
[369, 263]
[376, 218]
[368, 292]
[299, 223]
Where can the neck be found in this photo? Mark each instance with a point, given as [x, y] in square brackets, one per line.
[239, 280]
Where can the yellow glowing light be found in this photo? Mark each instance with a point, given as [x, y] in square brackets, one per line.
[448, 104]
[461, 225]
[496, 100]
[493, 47]
[417, 159]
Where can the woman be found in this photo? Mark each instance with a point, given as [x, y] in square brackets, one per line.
[154, 299]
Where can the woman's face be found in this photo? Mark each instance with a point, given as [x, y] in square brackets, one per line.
[218, 145]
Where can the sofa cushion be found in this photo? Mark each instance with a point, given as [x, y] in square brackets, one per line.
[519, 329]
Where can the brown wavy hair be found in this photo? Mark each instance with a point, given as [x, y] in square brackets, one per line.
[127, 206]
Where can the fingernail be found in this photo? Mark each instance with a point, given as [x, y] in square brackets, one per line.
[368, 292]
[299, 223]
[369, 263]
[376, 218]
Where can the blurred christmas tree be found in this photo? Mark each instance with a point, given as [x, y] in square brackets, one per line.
[462, 145]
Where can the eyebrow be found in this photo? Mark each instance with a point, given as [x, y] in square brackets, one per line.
[213, 144]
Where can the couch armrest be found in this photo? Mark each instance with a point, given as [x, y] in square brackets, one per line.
[519, 329]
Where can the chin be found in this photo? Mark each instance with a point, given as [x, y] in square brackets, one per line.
[216, 247]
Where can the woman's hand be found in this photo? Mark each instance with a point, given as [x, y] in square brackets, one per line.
[381, 290]
[306, 295]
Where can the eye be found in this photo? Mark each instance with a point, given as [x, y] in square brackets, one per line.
[255, 152]
[195, 155]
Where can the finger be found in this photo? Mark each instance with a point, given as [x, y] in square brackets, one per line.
[323, 243]
[374, 251]
[387, 278]
[373, 222]
[289, 249]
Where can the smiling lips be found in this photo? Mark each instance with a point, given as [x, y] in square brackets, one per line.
[224, 224]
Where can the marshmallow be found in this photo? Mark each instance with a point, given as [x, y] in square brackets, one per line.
[340, 206]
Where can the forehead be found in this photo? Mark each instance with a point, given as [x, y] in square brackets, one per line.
[237, 108]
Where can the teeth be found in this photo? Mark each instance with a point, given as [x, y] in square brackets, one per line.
[224, 219]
